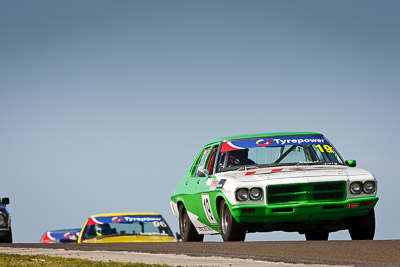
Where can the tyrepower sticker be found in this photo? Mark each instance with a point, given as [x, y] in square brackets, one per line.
[272, 142]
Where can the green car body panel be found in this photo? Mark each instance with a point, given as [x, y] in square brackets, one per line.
[296, 197]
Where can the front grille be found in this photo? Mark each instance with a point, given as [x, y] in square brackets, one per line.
[309, 192]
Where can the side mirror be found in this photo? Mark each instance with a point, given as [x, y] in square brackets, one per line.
[351, 162]
[5, 201]
[202, 172]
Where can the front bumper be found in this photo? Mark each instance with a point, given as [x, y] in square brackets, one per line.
[302, 212]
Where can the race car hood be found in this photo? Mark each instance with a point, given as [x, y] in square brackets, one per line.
[295, 173]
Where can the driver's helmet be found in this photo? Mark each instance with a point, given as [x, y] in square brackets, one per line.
[98, 229]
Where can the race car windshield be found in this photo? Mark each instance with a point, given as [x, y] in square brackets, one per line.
[123, 226]
[277, 151]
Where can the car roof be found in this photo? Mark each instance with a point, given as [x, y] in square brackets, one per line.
[126, 213]
[65, 230]
[245, 136]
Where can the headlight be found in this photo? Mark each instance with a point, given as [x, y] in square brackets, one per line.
[242, 194]
[369, 187]
[256, 193]
[356, 188]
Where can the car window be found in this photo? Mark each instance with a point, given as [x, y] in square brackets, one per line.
[286, 150]
[263, 156]
[201, 162]
[126, 225]
[296, 155]
[211, 160]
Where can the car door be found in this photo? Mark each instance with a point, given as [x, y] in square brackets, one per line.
[206, 210]
[189, 188]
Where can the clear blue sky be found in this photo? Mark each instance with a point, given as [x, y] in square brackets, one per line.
[105, 104]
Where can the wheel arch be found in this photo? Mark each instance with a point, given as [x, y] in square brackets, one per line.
[179, 203]
[218, 201]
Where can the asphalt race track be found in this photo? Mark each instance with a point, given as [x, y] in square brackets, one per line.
[358, 253]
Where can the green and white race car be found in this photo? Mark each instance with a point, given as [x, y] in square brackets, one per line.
[294, 182]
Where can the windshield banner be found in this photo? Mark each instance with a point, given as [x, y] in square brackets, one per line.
[272, 142]
[124, 219]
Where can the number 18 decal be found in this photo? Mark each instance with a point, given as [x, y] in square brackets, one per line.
[326, 148]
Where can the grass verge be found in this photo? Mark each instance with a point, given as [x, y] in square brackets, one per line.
[41, 260]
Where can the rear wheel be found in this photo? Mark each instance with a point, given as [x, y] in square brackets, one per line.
[362, 227]
[187, 230]
[230, 229]
[317, 235]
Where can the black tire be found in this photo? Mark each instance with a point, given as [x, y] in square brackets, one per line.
[230, 229]
[187, 230]
[7, 238]
[362, 227]
[317, 235]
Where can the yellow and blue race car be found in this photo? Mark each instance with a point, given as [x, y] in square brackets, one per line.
[126, 227]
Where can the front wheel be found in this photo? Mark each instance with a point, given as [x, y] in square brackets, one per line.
[362, 227]
[7, 238]
[187, 230]
[230, 229]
